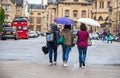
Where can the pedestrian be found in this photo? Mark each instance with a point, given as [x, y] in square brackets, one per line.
[68, 42]
[52, 45]
[109, 37]
[104, 35]
[82, 44]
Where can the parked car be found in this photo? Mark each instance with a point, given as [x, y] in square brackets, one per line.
[9, 32]
[38, 33]
[32, 34]
[94, 36]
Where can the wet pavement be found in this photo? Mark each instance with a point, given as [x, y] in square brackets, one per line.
[17, 69]
[25, 59]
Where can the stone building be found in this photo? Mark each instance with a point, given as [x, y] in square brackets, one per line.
[13, 8]
[116, 16]
[101, 13]
[74, 9]
[36, 17]
[9, 8]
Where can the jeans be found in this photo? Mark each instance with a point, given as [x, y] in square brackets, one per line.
[66, 49]
[52, 49]
[82, 54]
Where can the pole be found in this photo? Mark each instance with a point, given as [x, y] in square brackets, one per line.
[117, 19]
[1, 3]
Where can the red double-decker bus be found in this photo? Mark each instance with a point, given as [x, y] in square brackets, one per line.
[21, 25]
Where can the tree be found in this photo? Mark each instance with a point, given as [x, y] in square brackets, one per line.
[2, 15]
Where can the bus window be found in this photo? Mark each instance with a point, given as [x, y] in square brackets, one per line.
[19, 27]
[24, 27]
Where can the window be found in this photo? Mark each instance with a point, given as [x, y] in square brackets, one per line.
[39, 13]
[95, 5]
[75, 13]
[6, 7]
[66, 13]
[31, 13]
[6, 17]
[19, 27]
[108, 4]
[24, 27]
[100, 18]
[38, 20]
[75, 0]
[83, 14]
[31, 20]
[94, 17]
[101, 4]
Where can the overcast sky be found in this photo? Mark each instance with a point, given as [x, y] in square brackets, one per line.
[36, 1]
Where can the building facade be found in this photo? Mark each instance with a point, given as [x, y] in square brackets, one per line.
[116, 16]
[13, 8]
[100, 12]
[36, 17]
[9, 8]
[74, 9]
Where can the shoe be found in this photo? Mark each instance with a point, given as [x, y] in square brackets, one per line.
[65, 64]
[83, 63]
[50, 64]
[80, 65]
[55, 63]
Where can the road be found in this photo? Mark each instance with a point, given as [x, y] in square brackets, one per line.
[25, 59]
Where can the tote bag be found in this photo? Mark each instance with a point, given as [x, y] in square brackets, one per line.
[89, 42]
[45, 49]
[60, 40]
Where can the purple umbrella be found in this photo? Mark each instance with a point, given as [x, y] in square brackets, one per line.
[64, 20]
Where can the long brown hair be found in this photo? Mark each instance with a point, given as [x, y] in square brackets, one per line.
[83, 27]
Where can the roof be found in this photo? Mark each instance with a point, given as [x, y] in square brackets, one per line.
[35, 6]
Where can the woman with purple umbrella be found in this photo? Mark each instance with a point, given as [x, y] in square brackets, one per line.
[68, 40]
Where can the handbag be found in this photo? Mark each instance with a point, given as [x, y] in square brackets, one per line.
[45, 49]
[89, 42]
[60, 40]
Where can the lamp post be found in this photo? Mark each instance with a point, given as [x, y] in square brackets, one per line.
[110, 15]
[1, 3]
[117, 20]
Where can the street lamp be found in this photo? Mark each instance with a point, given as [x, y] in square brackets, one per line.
[1, 3]
[117, 19]
[110, 15]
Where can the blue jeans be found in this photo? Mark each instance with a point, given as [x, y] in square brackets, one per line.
[52, 49]
[82, 54]
[66, 49]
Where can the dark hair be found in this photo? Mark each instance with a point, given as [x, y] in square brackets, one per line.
[67, 27]
[83, 27]
[54, 27]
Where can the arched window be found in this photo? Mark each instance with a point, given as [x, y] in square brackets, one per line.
[94, 17]
[100, 18]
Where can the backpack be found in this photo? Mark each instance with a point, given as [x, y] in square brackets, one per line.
[52, 36]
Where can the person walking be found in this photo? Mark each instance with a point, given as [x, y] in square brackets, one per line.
[52, 45]
[104, 35]
[68, 41]
[109, 37]
[82, 44]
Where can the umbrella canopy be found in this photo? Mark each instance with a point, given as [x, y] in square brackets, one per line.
[64, 20]
[89, 21]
